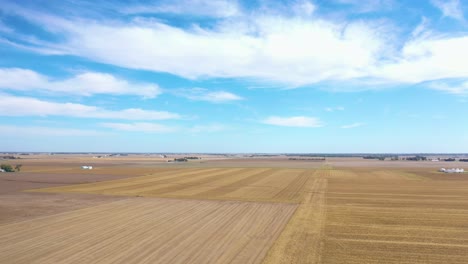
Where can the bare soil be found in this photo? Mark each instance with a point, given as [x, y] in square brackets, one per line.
[16, 205]
[13, 182]
[148, 230]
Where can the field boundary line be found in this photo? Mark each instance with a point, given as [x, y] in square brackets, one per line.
[301, 241]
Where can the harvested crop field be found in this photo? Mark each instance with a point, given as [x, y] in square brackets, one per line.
[22, 206]
[148, 230]
[301, 241]
[396, 216]
[283, 213]
[244, 184]
[23, 181]
[16, 205]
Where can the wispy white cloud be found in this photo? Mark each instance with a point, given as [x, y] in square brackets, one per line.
[426, 59]
[453, 88]
[140, 127]
[295, 121]
[27, 106]
[201, 94]
[450, 8]
[421, 29]
[209, 8]
[333, 109]
[84, 84]
[303, 7]
[11, 130]
[354, 125]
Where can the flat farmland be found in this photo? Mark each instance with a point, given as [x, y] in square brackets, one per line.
[148, 230]
[302, 239]
[244, 184]
[289, 212]
[396, 216]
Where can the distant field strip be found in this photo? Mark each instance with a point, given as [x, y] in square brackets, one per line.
[150, 230]
[301, 240]
[244, 184]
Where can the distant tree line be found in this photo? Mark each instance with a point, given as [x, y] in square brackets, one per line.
[374, 157]
[9, 168]
[10, 157]
[192, 158]
[309, 159]
[416, 158]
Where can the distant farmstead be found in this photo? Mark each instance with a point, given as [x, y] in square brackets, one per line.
[86, 167]
[453, 170]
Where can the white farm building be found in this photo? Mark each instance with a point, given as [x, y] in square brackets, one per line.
[86, 167]
[453, 170]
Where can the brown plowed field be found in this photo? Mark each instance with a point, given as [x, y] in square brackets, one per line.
[16, 205]
[148, 231]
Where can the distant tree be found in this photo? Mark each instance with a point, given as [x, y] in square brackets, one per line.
[7, 168]
[9, 157]
[18, 167]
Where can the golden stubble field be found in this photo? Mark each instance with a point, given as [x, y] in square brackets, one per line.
[240, 184]
[148, 230]
[324, 214]
[377, 215]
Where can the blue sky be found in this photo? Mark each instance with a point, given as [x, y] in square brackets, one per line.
[335, 76]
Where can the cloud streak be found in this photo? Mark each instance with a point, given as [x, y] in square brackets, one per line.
[450, 8]
[295, 121]
[201, 94]
[27, 106]
[354, 125]
[457, 88]
[84, 84]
